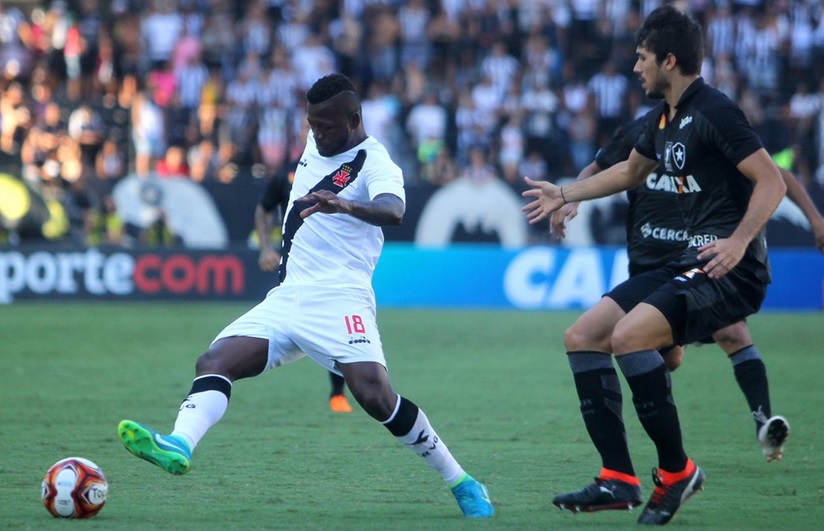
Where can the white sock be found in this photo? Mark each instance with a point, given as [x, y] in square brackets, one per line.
[199, 412]
[423, 440]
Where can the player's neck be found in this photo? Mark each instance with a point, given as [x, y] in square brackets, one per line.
[356, 139]
[677, 87]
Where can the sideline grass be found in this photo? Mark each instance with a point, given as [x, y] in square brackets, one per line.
[495, 385]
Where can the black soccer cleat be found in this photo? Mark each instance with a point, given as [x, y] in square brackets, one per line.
[667, 499]
[603, 495]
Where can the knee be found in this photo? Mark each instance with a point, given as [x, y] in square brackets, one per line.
[623, 339]
[731, 342]
[209, 363]
[577, 338]
[378, 402]
[205, 363]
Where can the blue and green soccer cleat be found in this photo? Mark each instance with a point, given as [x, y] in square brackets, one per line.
[169, 452]
[473, 498]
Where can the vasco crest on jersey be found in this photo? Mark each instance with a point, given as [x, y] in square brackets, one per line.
[344, 175]
[341, 177]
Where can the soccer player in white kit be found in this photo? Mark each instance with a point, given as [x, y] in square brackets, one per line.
[346, 187]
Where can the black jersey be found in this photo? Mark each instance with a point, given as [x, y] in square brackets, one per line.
[278, 188]
[697, 153]
[655, 227]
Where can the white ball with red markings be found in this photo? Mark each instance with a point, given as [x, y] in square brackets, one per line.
[74, 488]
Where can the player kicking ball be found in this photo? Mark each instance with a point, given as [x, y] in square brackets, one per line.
[346, 187]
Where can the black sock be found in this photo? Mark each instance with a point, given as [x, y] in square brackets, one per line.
[599, 392]
[649, 380]
[337, 384]
[751, 375]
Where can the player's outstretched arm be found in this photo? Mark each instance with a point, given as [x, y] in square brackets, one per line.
[384, 209]
[547, 197]
[799, 196]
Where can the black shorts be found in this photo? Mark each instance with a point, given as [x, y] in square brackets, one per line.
[695, 306]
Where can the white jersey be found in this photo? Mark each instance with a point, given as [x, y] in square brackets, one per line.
[337, 249]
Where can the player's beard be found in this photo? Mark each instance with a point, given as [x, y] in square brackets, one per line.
[656, 90]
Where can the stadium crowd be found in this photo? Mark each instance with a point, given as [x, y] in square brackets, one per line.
[208, 90]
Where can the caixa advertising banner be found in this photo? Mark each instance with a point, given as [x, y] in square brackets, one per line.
[553, 278]
[53, 273]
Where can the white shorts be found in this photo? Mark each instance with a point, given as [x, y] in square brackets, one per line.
[330, 326]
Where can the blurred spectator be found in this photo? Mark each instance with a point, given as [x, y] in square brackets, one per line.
[441, 169]
[312, 61]
[426, 123]
[160, 30]
[346, 34]
[512, 149]
[148, 131]
[211, 104]
[380, 46]
[15, 119]
[187, 50]
[608, 89]
[413, 21]
[110, 165]
[218, 40]
[540, 104]
[487, 100]
[86, 127]
[241, 107]
[190, 78]
[500, 67]
[479, 170]
[380, 114]
[533, 166]
[804, 107]
[582, 139]
[173, 163]
[443, 33]
[202, 160]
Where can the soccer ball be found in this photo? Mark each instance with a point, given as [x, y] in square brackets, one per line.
[74, 488]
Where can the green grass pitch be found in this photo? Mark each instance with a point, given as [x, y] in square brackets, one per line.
[495, 384]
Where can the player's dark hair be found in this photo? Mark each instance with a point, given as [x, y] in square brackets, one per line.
[669, 31]
[328, 87]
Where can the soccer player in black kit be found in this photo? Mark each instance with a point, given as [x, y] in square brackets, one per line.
[655, 236]
[726, 187]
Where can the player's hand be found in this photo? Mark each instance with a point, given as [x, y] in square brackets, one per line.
[723, 256]
[269, 259]
[817, 227]
[557, 223]
[323, 201]
[547, 199]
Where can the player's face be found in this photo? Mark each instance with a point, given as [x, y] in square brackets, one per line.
[653, 80]
[331, 127]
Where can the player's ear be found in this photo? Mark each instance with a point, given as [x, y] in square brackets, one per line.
[355, 120]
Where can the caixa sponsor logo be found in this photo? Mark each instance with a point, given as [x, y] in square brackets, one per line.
[90, 272]
[551, 278]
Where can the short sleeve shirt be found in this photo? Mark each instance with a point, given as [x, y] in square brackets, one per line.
[697, 153]
[337, 249]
